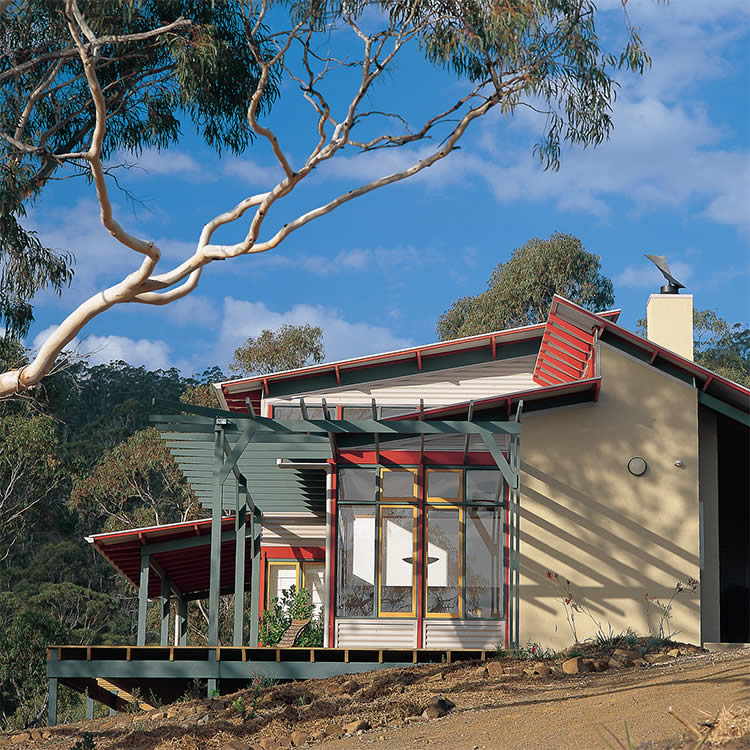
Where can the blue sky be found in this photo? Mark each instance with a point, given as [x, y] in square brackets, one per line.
[674, 179]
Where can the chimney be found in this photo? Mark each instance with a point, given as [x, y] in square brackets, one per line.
[669, 315]
[669, 322]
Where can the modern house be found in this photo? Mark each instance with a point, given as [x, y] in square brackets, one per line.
[424, 495]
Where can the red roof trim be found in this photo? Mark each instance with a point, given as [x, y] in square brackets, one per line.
[534, 393]
[679, 361]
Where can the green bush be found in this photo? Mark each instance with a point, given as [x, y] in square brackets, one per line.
[292, 605]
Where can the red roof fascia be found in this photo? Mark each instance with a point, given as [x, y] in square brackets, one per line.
[483, 340]
[536, 394]
[684, 364]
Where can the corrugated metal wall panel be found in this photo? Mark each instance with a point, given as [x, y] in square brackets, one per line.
[436, 388]
[294, 532]
[376, 633]
[486, 634]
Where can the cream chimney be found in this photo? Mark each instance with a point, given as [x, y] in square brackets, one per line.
[669, 322]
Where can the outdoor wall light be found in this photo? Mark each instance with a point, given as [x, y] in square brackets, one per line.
[637, 466]
[679, 463]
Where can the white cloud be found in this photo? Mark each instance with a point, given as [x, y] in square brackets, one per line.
[153, 162]
[251, 172]
[151, 354]
[193, 310]
[342, 339]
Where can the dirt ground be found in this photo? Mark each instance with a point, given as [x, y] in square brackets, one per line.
[573, 715]
[500, 704]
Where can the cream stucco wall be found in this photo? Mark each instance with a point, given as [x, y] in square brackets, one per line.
[615, 536]
[669, 320]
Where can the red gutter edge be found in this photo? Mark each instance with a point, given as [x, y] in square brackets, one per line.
[507, 397]
[171, 526]
[397, 355]
[676, 359]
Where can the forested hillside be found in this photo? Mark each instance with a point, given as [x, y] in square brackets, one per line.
[77, 457]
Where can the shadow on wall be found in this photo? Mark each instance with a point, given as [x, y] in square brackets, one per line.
[617, 537]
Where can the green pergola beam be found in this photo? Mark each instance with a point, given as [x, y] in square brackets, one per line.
[354, 426]
[726, 409]
[510, 476]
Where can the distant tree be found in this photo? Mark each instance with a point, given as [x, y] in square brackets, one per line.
[201, 392]
[520, 290]
[30, 470]
[286, 348]
[137, 483]
[26, 632]
[717, 345]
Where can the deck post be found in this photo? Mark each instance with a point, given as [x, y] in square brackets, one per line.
[256, 523]
[240, 529]
[215, 573]
[89, 707]
[143, 600]
[180, 622]
[164, 603]
[52, 705]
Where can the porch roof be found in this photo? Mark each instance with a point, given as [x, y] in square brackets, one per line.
[181, 550]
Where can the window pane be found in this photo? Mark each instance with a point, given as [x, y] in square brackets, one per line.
[280, 578]
[358, 484]
[395, 411]
[357, 412]
[398, 483]
[316, 412]
[286, 412]
[443, 561]
[446, 484]
[314, 576]
[484, 485]
[355, 580]
[484, 562]
[397, 563]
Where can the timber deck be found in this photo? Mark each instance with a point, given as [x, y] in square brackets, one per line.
[165, 673]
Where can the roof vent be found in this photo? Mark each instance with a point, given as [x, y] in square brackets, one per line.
[672, 286]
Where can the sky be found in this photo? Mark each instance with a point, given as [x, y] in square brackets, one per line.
[674, 179]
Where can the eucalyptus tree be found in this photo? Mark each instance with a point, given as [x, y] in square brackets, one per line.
[155, 63]
[546, 54]
[520, 290]
[273, 350]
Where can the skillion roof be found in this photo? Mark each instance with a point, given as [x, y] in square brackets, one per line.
[566, 369]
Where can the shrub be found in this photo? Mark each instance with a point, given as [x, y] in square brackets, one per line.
[292, 605]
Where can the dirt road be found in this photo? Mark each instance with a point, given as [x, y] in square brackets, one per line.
[570, 716]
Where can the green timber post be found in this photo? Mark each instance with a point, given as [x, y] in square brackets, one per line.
[256, 525]
[164, 606]
[89, 707]
[181, 622]
[240, 524]
[215, 572]
[52, 698]
[143, 600]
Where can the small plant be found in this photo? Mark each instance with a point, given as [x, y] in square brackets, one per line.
[196, 690]
[664, 631]
[85, 743]
[304, 700]
[291, 605]
[572, 606]
[238, 704]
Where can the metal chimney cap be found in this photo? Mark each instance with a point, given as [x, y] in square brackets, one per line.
[672, 286]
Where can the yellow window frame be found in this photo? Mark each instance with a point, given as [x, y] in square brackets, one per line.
[415, 520]
[445, 615]
[406, 498]
[435, 498]
[281, 563]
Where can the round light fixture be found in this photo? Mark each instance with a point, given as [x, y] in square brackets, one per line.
[637, 466]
